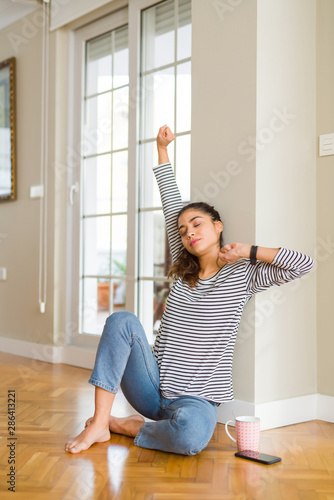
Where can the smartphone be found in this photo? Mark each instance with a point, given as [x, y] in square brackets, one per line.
[256, 456]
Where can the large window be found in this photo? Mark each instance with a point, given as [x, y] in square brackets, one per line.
[104, 179]
[166, 99]
[123, 98]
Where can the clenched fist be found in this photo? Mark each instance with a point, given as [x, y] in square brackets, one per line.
[164, 137]
[234, 251]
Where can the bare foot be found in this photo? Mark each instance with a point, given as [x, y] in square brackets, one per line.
[129, 426]
[92, 434]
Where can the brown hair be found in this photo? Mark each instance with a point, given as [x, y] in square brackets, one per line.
[187, 265]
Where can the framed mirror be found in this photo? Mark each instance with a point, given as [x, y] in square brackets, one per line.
[7, 130]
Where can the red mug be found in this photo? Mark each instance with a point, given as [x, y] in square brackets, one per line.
[247, 431]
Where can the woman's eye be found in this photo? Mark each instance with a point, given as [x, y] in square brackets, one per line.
[184, 234]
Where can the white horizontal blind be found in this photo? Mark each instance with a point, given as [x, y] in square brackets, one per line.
[165, 19]
[100, 47]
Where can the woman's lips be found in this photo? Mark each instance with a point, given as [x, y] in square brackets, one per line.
[193, 242]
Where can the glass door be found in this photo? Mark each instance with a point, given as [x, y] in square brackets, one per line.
[165, 75]
[99, 185]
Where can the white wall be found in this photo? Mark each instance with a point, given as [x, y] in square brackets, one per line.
[65, 11]
[19, 219]
[325, 198]
[285, 354]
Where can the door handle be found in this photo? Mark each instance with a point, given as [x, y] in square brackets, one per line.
[73, 189]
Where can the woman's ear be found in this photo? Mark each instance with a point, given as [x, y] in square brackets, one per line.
[219, 225]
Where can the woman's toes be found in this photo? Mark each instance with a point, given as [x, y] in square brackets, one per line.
[75, 448]
[92, 434]
[70, 446]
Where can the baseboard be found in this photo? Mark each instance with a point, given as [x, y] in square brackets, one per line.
[287, 411]
[33, 350]
[69, 355]
[283, 412]
[83, 357]
[273, 414]
[325, 408]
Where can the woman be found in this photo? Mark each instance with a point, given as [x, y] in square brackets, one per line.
[189, 373]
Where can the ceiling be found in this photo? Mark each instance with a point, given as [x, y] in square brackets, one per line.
[13, 10]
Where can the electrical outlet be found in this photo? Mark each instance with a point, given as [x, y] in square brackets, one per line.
[326, 144]
[37, 191]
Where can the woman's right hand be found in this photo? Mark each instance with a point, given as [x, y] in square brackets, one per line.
[164, 137]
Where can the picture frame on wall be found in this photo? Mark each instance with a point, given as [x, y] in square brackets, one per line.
[7, 130]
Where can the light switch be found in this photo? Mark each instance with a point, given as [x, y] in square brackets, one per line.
[326, 144]
[3, 273]
[37, 191]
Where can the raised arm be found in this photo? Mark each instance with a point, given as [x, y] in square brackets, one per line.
[287, 265]
[274, 266]
[169, 192]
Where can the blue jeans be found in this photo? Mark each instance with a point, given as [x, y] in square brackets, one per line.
[124, 358]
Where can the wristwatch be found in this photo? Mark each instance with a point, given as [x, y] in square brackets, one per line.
[253, 255]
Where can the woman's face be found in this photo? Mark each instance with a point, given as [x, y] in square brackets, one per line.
[198, 231]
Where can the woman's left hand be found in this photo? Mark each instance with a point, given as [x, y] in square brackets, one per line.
[234, 251]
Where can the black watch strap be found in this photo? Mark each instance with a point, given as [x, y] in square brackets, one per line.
[253, 255]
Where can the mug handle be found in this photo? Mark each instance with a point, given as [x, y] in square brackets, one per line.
[226, 429]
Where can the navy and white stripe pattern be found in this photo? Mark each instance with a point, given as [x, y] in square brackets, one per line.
[195, 342]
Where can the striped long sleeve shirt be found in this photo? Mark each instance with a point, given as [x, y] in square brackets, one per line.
[196, 338]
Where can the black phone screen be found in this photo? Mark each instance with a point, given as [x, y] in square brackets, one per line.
[256, 456]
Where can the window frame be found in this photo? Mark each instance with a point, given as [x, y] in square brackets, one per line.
[130, 15]
[144, 315]
[79, 38]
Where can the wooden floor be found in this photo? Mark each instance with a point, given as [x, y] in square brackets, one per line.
[52, 404]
